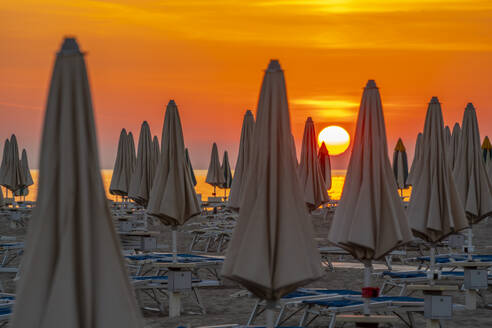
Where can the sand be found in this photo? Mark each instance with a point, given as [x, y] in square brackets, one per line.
[222, 308]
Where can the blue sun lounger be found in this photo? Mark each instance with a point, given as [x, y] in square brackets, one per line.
[292, 303]
[398, 305]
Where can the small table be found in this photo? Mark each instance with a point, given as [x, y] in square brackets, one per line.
[429, 291]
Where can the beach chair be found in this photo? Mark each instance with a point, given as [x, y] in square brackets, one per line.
[402, 306]
[292, 303]
[9, 251]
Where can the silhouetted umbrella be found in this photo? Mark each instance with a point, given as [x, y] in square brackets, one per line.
[417, 155]
[156, 151]
[121, 171]
[143, 175]
[454, 144]
[73, 272]
[272, 251]
[243, 157]
[3, 169]
[132, 155]
[487, 156]
[215, 175]
[447, 137]
[435, 210]
[226, 171]
[325, 164]
[309, 171]
[400, 165]
[190, 167]
[370, 220]
[26, 178]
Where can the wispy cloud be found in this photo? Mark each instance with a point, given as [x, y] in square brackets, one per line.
[326, 108]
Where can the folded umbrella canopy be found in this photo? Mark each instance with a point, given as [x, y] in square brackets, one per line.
[73, 273]
[122, 172]
[400, 165]
[143, 174]
[417, 154]
[132, 156]
[471, 178]
[3, 168]
[12, 177]
[226, 170]
[272, 251]
[454, 144]
[190, 167]
[215, 175]
[487, 156]
[309, 171]
[156, 151]
[26, 178]
[325, 164]
[447, 136]
[243, 157]
[435, 208]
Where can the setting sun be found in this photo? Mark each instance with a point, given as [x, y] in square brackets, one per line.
[335, 138]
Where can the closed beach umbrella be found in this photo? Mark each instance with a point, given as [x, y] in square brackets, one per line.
[3, 168]
[26, 178]
[309, 171]
[325, 164]
[447, 136]
[215, 175]
[272, 251]
[473, 185]
[190, 167]
[487, 156]
[370, 220]
[131, 153]
[121, 174]
[157, 152]
[243, 157]
[417, 154]
[454, 144]
[400, 165]
[143, 174]
[12, 178]
[226, 170]
[435, 208]
[73, 272]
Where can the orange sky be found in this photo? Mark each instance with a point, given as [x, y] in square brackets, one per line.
[209, 56]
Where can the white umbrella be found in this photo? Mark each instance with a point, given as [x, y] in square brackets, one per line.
[309, 171]
[400, 166]
[215, 175]
[173, 199]
[26, 178]
[73, 273]
[120, 177]
[272, 251]
[487, 156]
[244, 154]
[454, 145]
[143, 174]
[435, 210]
[190, 167]
[370, 220]
[417, 154]
[226, 171]
[325, 164]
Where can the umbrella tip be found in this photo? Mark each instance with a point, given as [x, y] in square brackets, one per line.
[486, 143]
[69, 46]
[309, 120]
[470, 106]
[434, 100]
[399, 146]
[248, 113]
[274, 66]
[371, 84]
[172, 102]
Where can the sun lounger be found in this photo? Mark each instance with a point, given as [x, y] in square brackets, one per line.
[292, 303]
[8, 252]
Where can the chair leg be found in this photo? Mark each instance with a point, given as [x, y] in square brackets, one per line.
[253, 314]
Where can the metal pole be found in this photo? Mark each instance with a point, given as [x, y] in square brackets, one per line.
[270, 315]
[367, 283]
[175, 244]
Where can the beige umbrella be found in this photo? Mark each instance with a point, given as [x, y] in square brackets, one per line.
[309, 171]
[454, 145]
[156, 151]
[417, 154]
[190, 167]
[73, 273]
[325, 164]
[469, 171]
[143, 174]
[435, 210]
[370, 220]
[487, 156]
[120, 177]
[272, 251]
[215, 175]
[26, 178]
[226, 171]
[400, 166]
[173, 199]
[244, 154]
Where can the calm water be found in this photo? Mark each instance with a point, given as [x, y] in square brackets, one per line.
[338, 179]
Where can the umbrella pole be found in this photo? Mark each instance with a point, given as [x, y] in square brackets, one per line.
[175, 244]
[367, 283]
[432, 263]
[470, 242]
[214, 194]
[270, 314]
